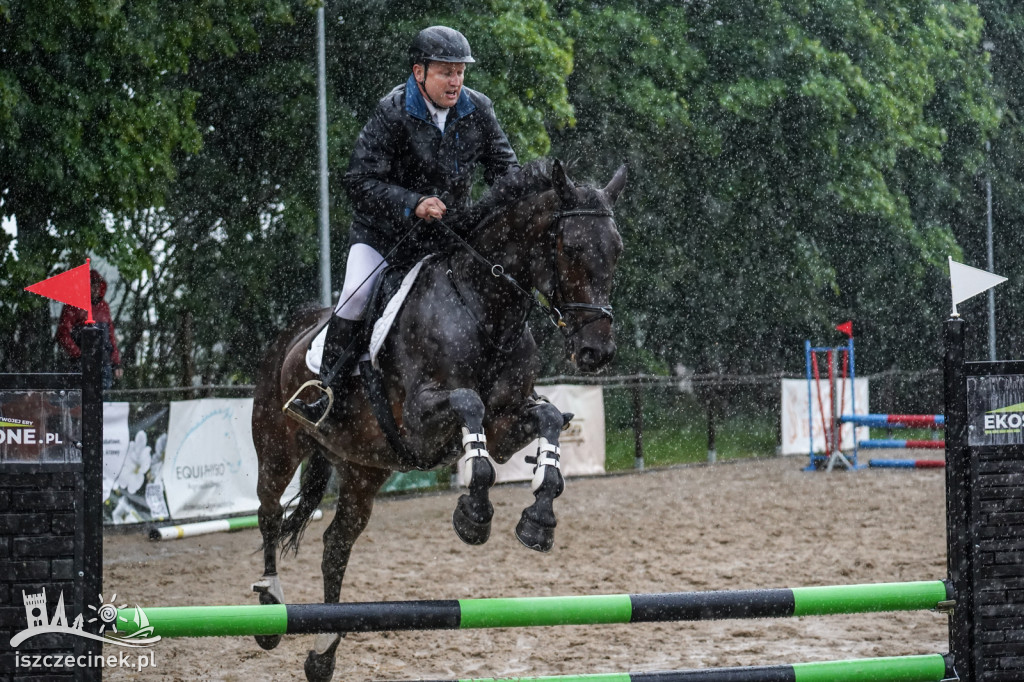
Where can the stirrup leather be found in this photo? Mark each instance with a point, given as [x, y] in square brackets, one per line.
[294, 414]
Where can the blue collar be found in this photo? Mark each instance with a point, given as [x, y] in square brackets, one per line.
[416, 106]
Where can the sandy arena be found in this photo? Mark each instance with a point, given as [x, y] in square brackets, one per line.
[752, 524]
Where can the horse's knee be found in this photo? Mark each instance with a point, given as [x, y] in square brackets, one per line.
[549, 419]
[468, 405]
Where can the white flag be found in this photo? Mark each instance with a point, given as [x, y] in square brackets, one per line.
[966, 281]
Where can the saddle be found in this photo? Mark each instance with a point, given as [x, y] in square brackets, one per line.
[381, 310]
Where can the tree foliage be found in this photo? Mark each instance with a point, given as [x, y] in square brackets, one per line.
[797, 164]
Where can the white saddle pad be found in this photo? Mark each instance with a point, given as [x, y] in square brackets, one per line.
[381, 327]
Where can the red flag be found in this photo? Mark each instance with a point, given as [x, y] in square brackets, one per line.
[846, 328]
[72, 287]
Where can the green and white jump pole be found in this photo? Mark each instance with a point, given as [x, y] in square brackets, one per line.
[188, 530]
[929, 668]
[465, 614]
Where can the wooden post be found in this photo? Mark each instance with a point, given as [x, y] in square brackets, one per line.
[638, 426]
[712, 432]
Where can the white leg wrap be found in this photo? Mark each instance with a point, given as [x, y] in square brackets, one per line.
[325, 641]
[474, 444]
[547, 456]
[271, 584]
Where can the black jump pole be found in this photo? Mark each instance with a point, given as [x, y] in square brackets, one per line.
[92, 474]
[959, 561]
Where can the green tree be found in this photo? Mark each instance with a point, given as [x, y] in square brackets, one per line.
[91, 118]
[796, 164]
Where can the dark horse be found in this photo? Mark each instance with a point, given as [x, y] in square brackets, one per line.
[459, 368]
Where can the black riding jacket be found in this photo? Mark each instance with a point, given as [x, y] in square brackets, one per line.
[400, 156]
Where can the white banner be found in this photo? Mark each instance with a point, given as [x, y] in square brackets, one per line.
[582, 445]
[795, 436]
[210, 465]
[115, 445]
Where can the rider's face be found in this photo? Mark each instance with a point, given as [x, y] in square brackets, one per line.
[442, 81]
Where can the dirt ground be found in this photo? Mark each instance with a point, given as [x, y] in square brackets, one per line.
[752, 524]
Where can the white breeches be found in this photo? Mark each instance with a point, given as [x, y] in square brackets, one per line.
[361, 273]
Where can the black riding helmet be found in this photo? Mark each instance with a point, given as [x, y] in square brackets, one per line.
[439, 44]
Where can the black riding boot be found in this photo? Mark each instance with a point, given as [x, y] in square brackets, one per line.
[341, 339]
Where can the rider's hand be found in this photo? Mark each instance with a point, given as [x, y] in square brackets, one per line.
[430, 208]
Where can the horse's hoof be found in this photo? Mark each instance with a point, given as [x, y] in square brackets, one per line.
[269, 590]
[468, 530]
[535, 536]
[320, 667]
[268, 642]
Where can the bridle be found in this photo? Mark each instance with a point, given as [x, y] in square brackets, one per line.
[554, 310]
[552, 306]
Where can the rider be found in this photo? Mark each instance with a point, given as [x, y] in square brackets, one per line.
[414, 160]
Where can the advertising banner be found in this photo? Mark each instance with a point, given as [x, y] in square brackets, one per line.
[40, 425]
[210, 467]
[995, 410]
[115, 444]
[134, 438]
[795, 435]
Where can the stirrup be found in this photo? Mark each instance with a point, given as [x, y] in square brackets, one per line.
[294, 414]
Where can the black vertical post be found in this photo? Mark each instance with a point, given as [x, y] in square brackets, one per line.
[712, 430]
[92, 470]
[959, 552]
[638, 425]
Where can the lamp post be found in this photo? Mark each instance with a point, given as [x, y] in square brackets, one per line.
[991, 258]
[990, 48]
[325, 222]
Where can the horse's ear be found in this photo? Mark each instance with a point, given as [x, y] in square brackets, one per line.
[564, 187]
[617, 182]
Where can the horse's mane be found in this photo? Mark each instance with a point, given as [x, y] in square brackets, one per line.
[532, 178]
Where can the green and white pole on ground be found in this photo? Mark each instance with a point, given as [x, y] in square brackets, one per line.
[282, 619]
[928, 668]
[187, 530]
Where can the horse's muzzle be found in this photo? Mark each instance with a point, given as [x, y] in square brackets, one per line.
[591, 358]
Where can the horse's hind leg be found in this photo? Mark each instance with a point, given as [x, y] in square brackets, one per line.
[358, 485]
[536, 528]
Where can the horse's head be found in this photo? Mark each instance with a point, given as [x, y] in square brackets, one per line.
[587, 248]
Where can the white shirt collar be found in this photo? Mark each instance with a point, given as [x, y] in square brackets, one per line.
[439, 116]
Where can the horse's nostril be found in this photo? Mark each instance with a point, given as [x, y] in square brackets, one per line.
[587, 357]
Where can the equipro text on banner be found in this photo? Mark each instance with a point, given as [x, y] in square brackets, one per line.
[210, 463]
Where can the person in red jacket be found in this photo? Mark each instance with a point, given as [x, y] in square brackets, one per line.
[72, 319]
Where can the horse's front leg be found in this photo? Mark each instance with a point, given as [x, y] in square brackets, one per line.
[542, 420]
[430, 416]
[357, 487]
[278, 461]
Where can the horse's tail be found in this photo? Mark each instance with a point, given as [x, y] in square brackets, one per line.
[311, 493]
